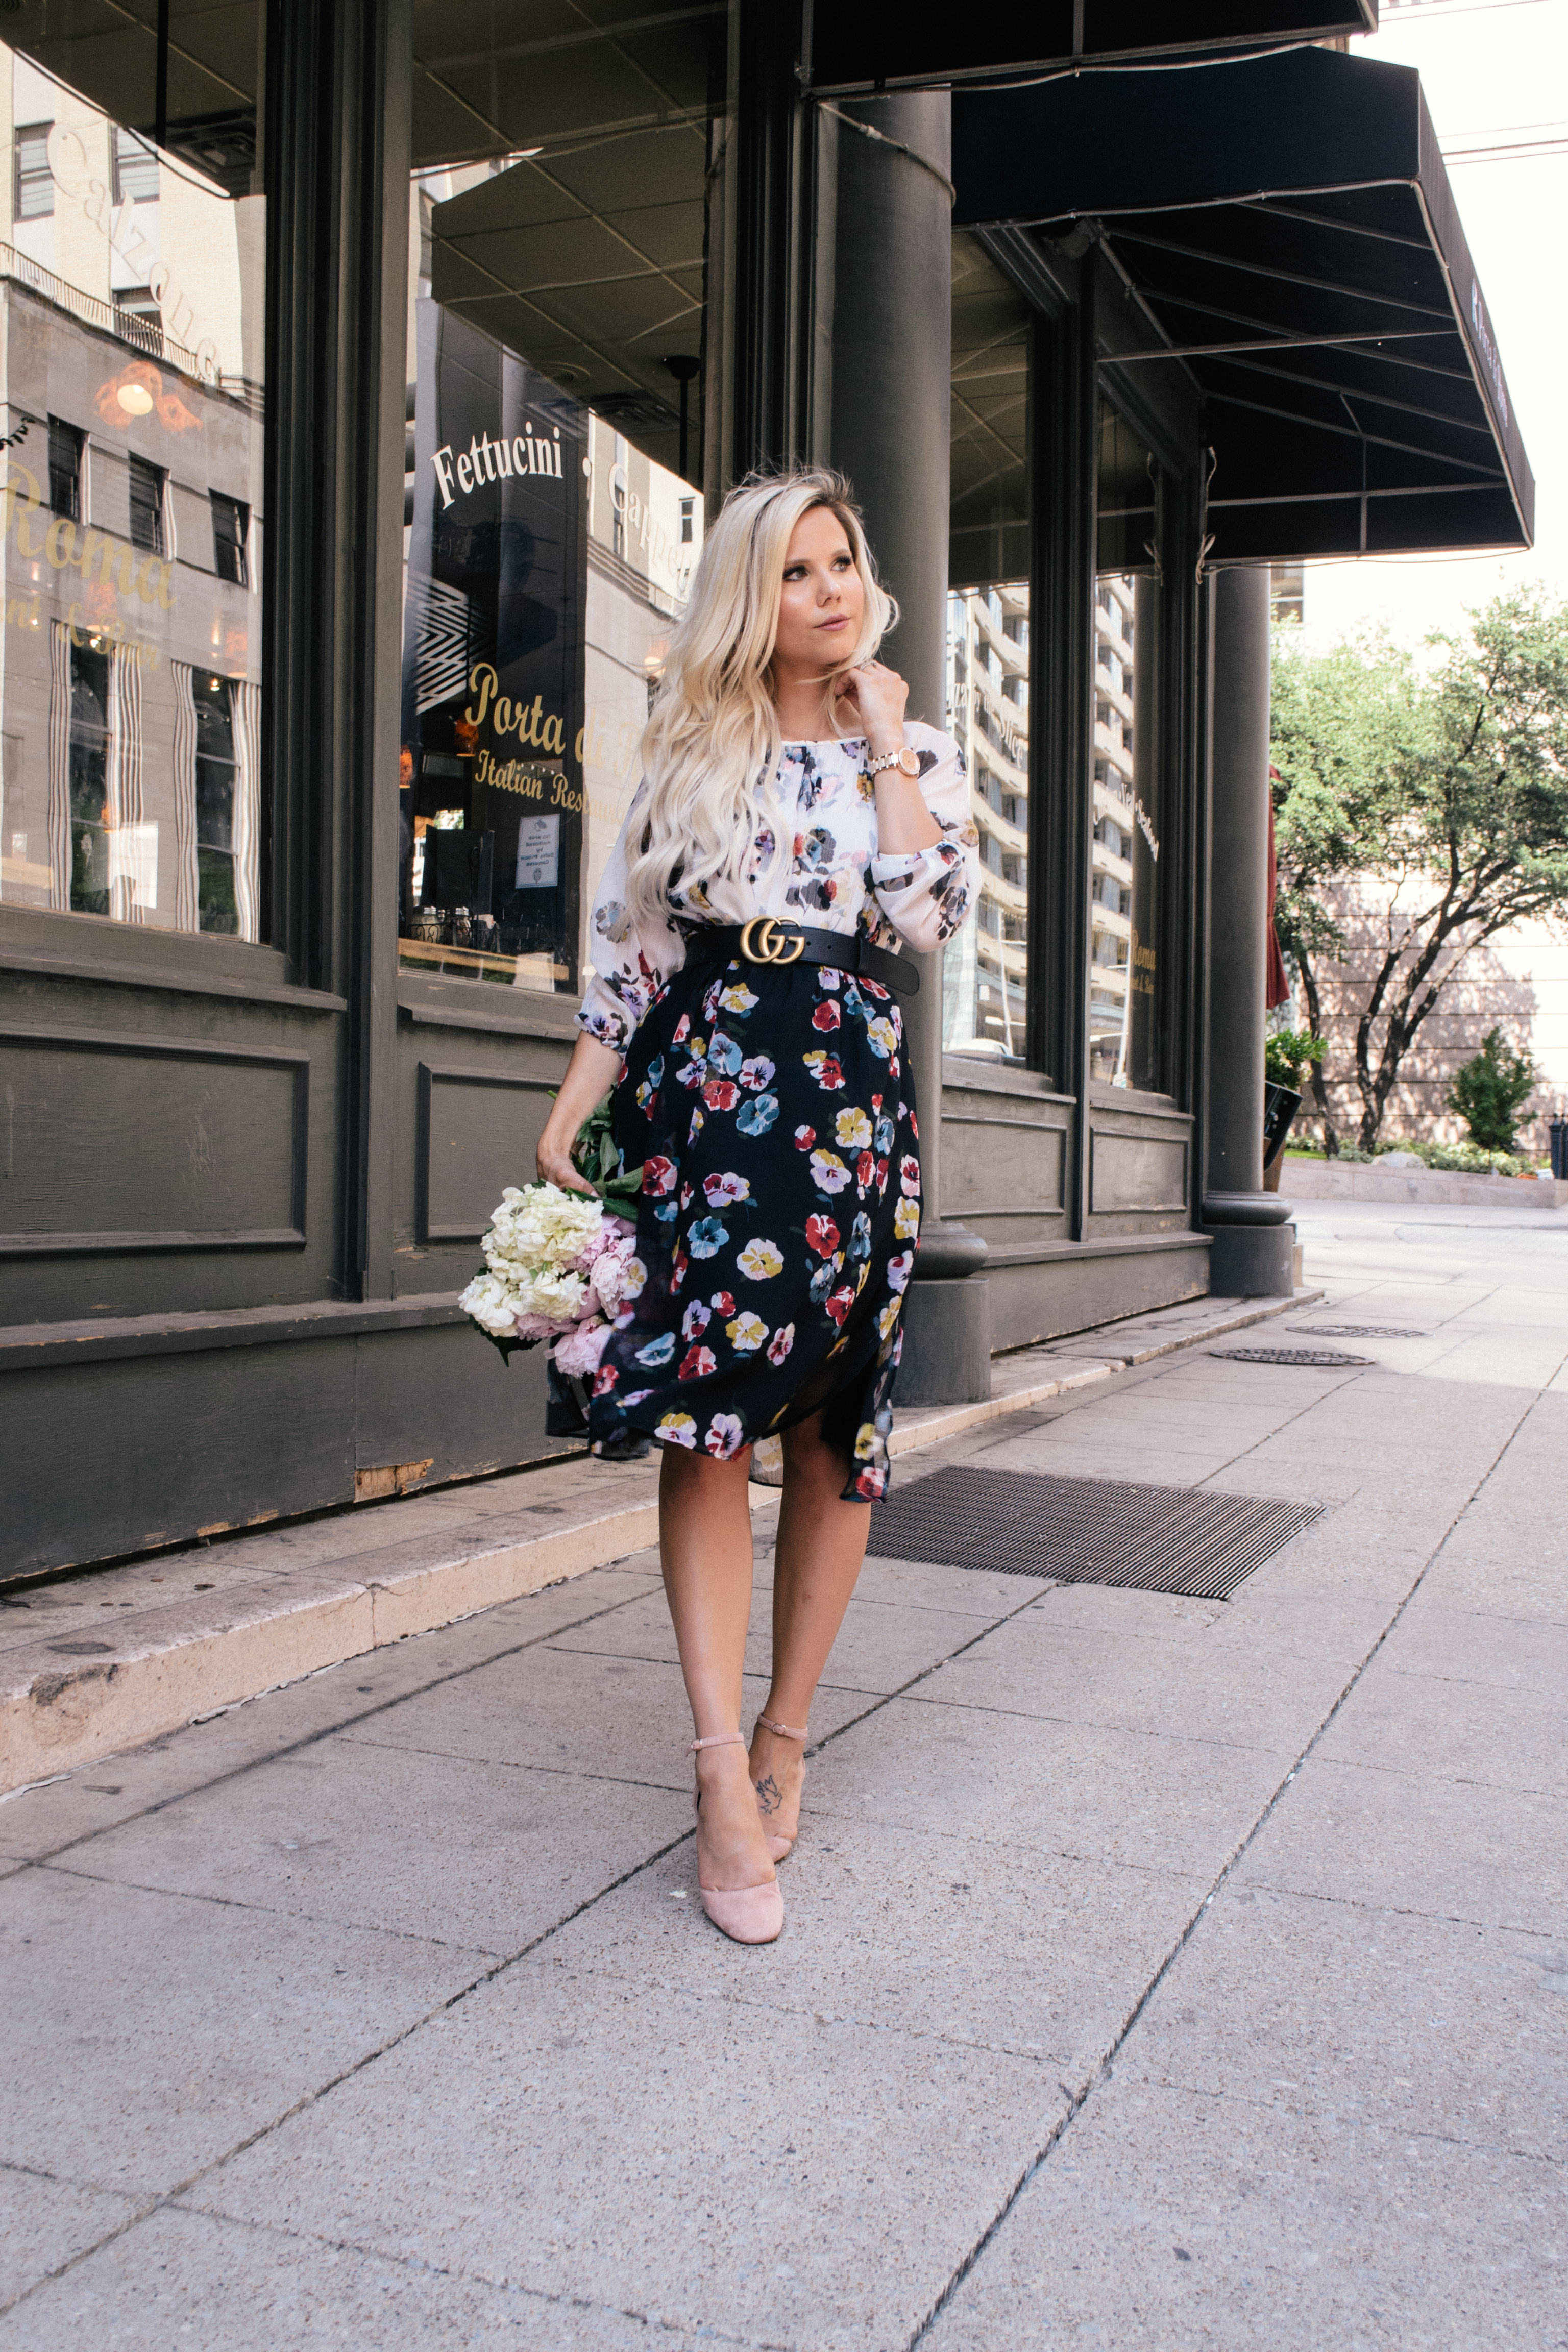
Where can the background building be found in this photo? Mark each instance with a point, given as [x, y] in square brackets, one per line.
[472, 325]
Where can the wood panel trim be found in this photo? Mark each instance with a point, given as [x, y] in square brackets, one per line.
[1016, 1126]
[1138, 1208]
[972, 1212]
[429, 1074]
[29, 1347]
[1137, 1109]
[125, 1041]
[171, 984]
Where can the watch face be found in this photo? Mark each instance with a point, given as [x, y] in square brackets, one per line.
[909, 760]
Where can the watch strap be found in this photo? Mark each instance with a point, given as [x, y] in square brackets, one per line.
[895, 759]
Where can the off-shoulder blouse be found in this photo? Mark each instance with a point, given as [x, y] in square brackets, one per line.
[837, 878]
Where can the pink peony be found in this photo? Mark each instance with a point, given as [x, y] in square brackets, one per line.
[605, 1263]
[578, 1350]
[536, 1327]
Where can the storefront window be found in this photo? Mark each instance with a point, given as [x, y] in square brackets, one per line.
[567, 192]
[1128, 797]
[985, 966]
[132, 280]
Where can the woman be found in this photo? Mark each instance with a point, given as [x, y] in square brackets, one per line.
[762, 1086]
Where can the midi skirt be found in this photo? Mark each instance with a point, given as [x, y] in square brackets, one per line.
[772, 1112]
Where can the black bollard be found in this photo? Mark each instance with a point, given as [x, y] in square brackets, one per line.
[1558, 1132]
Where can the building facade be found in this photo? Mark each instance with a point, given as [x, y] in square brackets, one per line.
[367, 380]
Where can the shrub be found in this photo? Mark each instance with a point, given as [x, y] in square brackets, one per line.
[1288, 1055]
[1491, 1091]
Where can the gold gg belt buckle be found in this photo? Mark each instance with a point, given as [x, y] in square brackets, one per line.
[764, 939]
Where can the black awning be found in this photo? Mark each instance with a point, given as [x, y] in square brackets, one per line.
[1287, 226]
[889, 45]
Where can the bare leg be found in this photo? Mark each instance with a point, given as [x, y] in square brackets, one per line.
[705, 1542]
[821, 1544]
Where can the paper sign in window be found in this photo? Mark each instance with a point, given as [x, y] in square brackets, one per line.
[538, 853]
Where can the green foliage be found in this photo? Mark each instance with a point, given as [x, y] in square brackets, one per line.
[597, 1160]
[1457, 1159]
[1449, 786]
[1491, 1091]
[1286, 1053]
[1468, 1159]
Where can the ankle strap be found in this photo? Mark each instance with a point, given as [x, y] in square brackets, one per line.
[719, 1739]
[784, 1730]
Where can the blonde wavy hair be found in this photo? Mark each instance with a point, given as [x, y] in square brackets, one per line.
[713, 742]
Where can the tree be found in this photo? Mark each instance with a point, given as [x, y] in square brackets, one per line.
[1489, 1092]
[1449, 786]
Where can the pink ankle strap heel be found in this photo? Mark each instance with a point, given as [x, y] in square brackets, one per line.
[747, 1914]
[781, 1848]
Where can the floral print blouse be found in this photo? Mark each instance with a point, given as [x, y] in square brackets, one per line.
[837, 878]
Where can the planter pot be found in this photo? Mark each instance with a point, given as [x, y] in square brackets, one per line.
[1280, 1105]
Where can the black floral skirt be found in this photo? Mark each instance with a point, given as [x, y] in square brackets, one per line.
[774, 1119]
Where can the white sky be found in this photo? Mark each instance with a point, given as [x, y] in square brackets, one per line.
[1495, 74]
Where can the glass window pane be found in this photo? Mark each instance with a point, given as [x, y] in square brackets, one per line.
[34, 191]
[985, 966]
[1128, 795]
[567, 187]
[131, 411]
[146, 505]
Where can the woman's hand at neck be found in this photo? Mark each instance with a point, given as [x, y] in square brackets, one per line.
[821, 608]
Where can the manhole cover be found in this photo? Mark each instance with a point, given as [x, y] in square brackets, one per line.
[1086, 1530]
[1356, 1331]
[1323, 1358]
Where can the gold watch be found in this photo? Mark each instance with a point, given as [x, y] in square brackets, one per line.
[908, 759]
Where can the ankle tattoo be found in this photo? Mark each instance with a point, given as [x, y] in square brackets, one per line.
[770, 1796]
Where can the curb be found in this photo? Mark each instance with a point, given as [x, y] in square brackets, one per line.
[75, 1700]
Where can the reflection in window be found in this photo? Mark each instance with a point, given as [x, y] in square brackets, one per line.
[562, 424]
[147, 505]
[985, 966]
[92, 813]
[218, 772]
[985, 969]
[135, 169]
[35, 192]
[1127, 796]
[65, 470]
[230, 523]
[131, 657]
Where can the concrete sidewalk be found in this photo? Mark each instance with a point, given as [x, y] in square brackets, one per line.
[1159, 1973]
[108, 1658]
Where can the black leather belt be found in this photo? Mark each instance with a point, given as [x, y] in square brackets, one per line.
[771, 940]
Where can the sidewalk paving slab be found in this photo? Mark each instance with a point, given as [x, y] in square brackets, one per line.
[704, 2156]
[1079, 2033]
[1190, 2222]
[116, 1656]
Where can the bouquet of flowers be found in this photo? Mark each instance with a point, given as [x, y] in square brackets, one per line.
[559, 1264]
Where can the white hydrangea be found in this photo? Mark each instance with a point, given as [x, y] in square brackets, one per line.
[490, 1304]
[543, 1225]
[537, 1234]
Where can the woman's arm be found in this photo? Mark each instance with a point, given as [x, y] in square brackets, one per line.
[904, 822]
[590, 1074]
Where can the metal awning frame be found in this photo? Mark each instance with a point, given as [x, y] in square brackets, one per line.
[1419, 328]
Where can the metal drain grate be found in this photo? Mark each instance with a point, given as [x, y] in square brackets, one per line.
[1356, 1331]
[1086, 1530]
[1322, 1360]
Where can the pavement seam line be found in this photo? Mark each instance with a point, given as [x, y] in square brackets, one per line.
[417, 2266]
[308, 1739]
[345, 2073]
[1103, 2071]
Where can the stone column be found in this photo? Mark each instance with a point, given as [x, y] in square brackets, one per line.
[889, 431]
[1253, 1243]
